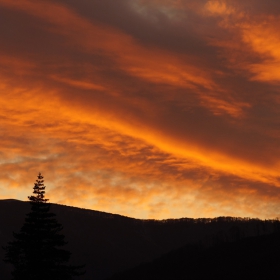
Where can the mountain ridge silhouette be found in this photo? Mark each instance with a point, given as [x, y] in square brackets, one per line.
[110, 243]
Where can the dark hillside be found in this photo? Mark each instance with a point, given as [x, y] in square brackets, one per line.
[250, 258]
[109, 243]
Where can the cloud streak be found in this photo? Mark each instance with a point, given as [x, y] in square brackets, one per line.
[151, 109]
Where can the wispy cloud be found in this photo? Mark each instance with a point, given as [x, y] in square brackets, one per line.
[145, 108]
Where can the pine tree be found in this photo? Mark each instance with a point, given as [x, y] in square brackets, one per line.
[36, 252]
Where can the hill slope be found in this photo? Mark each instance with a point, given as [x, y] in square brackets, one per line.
[250, 258]
[109, 243]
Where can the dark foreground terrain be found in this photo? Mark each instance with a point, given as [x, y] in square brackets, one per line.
[108, 243]
[249, 258]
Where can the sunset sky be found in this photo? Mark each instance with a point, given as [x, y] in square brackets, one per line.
[145, 108]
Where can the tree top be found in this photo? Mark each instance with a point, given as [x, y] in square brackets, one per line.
[38, 190]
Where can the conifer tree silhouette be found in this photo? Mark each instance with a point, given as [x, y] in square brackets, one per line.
[36, 251]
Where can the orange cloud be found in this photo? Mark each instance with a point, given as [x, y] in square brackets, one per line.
[145, 119]
[252, 34]
[264, 40]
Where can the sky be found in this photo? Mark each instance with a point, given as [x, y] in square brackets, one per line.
[152, 109]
